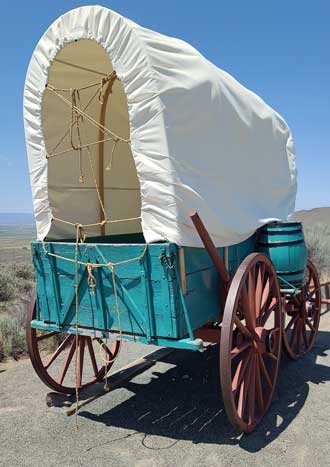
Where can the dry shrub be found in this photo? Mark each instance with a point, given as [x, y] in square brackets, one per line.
[7, 285]
[15, 281]
[12, 337]
[317, 238]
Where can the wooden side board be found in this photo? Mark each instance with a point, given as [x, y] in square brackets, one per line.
[150, 303]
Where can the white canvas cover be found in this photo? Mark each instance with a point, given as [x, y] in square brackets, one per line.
[199, 139]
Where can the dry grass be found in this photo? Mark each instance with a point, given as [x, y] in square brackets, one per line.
[16, 283]
[317, 238]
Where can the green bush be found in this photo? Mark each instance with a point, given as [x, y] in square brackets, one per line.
[12, 337]
[14, 280]
[7, 285]
[318, 243]
[23, 271]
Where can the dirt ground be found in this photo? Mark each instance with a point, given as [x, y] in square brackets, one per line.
[170, 415]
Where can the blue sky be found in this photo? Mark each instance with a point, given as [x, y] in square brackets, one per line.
[277, 48]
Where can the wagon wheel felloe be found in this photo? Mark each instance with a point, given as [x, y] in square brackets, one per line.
[250, 345]
[58, 370]
[303, 315]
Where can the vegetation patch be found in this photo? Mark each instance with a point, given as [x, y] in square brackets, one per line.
[16, 283]
[12, 337]
[317, 238]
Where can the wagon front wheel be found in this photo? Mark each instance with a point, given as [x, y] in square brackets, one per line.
[250, 345]
[69, 353]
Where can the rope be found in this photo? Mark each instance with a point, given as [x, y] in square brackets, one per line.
[78, 117]
[110, 264]
[88, 117]
[93, 171]
[68, 131]
[92, 283]
[77, 313]
[74, 122]
[104, 222]
[109, 165]
[65, 151]
[110, 77]
[102, 345]
[81, 112]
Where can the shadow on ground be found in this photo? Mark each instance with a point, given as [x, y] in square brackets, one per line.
[184, 403]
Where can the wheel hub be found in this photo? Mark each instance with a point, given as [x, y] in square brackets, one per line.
[259, 340]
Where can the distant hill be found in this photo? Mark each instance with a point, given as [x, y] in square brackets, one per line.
[16, 218]
[313, 216]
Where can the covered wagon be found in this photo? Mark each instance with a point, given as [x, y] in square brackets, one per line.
[161, 190]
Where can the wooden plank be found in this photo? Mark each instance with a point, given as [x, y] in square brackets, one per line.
[209, 333]
[182, 269]
[209, 245]
[327, 295]
[226, 257]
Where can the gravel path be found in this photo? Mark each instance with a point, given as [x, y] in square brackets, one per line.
[170, 415]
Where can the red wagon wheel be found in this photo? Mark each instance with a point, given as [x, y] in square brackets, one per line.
[58, 371]
[303, 316]
[250, 345]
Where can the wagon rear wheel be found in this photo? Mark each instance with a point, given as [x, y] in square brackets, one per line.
[250, 345]
[303, 316]
[58, 370]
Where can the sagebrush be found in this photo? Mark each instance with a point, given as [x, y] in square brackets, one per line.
[12, 337]
[15, 280]
[16, 283]
[317, 239]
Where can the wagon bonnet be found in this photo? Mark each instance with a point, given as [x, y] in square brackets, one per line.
[177, 132]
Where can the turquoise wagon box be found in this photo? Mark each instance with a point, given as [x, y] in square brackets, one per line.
[151, 301]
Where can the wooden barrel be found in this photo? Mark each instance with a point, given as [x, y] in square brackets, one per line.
[284, 243]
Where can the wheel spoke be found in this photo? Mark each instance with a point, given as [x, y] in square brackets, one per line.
[240, 348]
[251, 297]
[247, 310]
[46, 336]
[309, 279]
[305, 337]
[251, 392]
[271, 356]
[299, 332]
[295, 299]
[80, 366]
[240, 372]
[291, 322]
[67, 362]
[59, 349]
[244, 330]
[259, 393]
[269, 311]
[92, 355]
[310, 294]
[265, 372]
[258, 293]
[294, 332]
[309, 324]
[265, 293]
[106, 348]
[243, 392]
